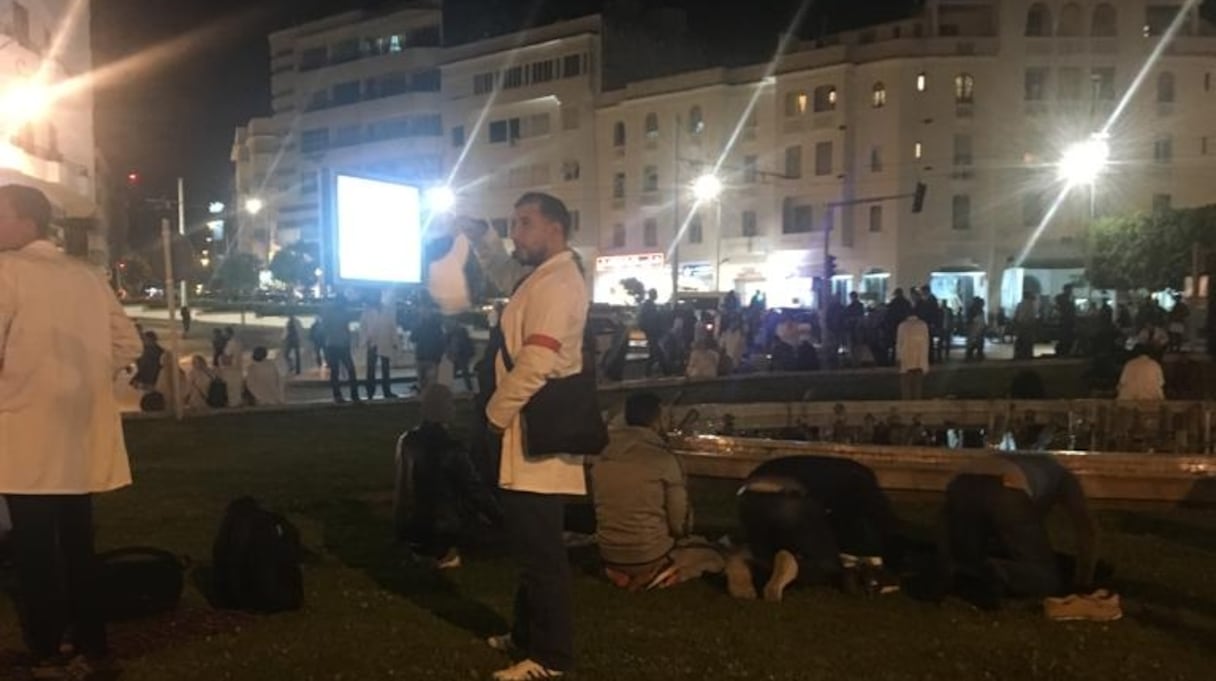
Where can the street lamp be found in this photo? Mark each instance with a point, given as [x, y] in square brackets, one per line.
[24, 101]
[216, 207]
[440, 199]
[254, 205]
[706, 187]
[1083, 162]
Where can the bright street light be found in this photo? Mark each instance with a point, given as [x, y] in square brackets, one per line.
[440, 199]
[254, 206]
[707, 187]
[24, 101]
[1083, 162]
[216, 207]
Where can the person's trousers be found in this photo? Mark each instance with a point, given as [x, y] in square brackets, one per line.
[995, 532]
[544, 602]
[428, 371]
[56, 572]
[912, 385]
[291, 354]
[374, 359]
[339, 358]
[781, 521]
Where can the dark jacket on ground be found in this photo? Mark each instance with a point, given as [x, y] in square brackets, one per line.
[438, 487]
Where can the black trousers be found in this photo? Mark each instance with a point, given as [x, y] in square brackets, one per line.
[56, 572]
[374, 360]
[544, 603]
[993, 532]
[292, 355]
[338, 357]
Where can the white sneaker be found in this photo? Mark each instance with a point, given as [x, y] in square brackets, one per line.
[785, 571]
[503, 643]
[528, 670]
[449, 561]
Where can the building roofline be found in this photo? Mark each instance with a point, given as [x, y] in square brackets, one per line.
[353, 17]
[591, 24]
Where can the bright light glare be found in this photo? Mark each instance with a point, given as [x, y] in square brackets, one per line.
[216, 207]
[441, 199]
[1083, 162]
[707, 187]
[378, 230]
[254, 206]
[25, 101]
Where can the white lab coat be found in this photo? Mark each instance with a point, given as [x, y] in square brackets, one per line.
[265, 383]
[912, 345]
[63, 337]
[378, 327]
[1142, 379]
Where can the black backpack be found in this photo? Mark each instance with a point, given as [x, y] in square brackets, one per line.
[257, 560]
[217, 394]
[139, 582]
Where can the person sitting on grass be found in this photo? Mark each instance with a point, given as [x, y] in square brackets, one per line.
[263, 380]
[994, 534]
[817, 520]
[643, 517]
[438, 489]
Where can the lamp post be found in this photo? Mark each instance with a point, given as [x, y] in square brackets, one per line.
[1081, 164]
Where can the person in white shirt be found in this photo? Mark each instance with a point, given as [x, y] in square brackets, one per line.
[703, 360]
[912, 353]
[232, 368]
[263, 380]
[1142, 378]
[63, 337]
[378, 327]
[542, 328]
[198, 384]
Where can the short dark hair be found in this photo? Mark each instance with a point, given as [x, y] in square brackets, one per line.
[549, 206]
[29, 204]
[259, 353]
[643, 409]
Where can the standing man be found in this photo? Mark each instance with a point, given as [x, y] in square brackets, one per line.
[187, 317]
[335, 328]
[1025, 326]
[427, 337]
[1066, 308]
[63, 337]
[379, 330]
[912, 354]
[291, 345]
[542, 329]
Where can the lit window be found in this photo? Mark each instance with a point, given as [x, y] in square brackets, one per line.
[919, 150]
[964, 88]
[880, 95]
[825, 98]
[922, 82]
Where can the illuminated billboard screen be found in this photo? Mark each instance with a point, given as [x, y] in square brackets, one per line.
[377, 230]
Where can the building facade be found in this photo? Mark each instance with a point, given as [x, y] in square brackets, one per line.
[819, 151]
[46, 115]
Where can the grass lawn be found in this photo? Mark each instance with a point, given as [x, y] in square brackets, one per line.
[371, 615]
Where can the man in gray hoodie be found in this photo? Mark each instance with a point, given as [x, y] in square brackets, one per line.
[644, 520]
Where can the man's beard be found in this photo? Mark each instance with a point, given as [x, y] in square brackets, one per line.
[526, 259]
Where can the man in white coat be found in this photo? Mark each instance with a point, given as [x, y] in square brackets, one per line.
[542, 328]
[378, 328]
[63, 337]
[912, 353]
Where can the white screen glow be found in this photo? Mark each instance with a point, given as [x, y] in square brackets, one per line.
[379, 230]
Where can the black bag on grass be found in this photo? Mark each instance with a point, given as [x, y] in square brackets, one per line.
[139, 581]
[217, 394]
[256, 560]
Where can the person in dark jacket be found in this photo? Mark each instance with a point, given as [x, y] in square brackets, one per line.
[438, 490]
[819, 519]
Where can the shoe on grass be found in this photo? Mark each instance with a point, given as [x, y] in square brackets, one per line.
[1075, 608]
[739, 582]
[449, 561]
[503, 643]
[527, 670]
[785, 571]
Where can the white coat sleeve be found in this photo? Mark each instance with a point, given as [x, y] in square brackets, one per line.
[125, 344]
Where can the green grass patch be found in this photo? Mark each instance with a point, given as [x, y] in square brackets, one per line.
[370, 614]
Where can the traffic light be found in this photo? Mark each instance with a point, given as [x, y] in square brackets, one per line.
[918, 199]
[132, 178]
[829, 267]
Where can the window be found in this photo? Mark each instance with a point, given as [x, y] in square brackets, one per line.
[879, 98]
[750, 171]
[1068, 83]
[1103, 79]
[793, 162]
[1105, 21]
[572, 65]
[922, 82]
[346, 93]
[392, 84]
[696, 121]
[513, 77]
[498, 132]
[875, 218]
[314, 140]
[696, 233]
[1162, 203]
[348, 135]
[618, 186]
[918, 150]
[962, 150]
[749, 224]
[650, 179]
[964, 88]
[314, 58]
[1036, 84]
[876, 159]
[1163, 149]
[483, 83]
[570, 118]
[1038, 21]
[650, 233]
[795, 104]
[825, 98]
[571, 170]
[425, 81]
[347, 50]
[1157, 18]
[796, 219]
[652, 126]
[823, 158]
[426, 126]
[1070, 21]
[618, 235]
[961, 214]
[542, 71]
[458, 136]
[1165, 88]
[618, 134]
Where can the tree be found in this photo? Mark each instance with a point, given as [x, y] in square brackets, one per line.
[134, 273]
[1149, 250]
[296, 265]
[238, 275]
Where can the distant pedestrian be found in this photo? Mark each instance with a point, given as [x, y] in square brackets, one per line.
[1025, 326]
[232, 368]
[1066, 312]
[63, 338]
[316, 336]
[912, 353]
[976, 327]
[291, 345]
[218, 339]
[148, 365]
[378, 328]
[335, 328]
[187, 318]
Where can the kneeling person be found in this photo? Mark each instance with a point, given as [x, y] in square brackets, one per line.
[818, 520]
[643, 517]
